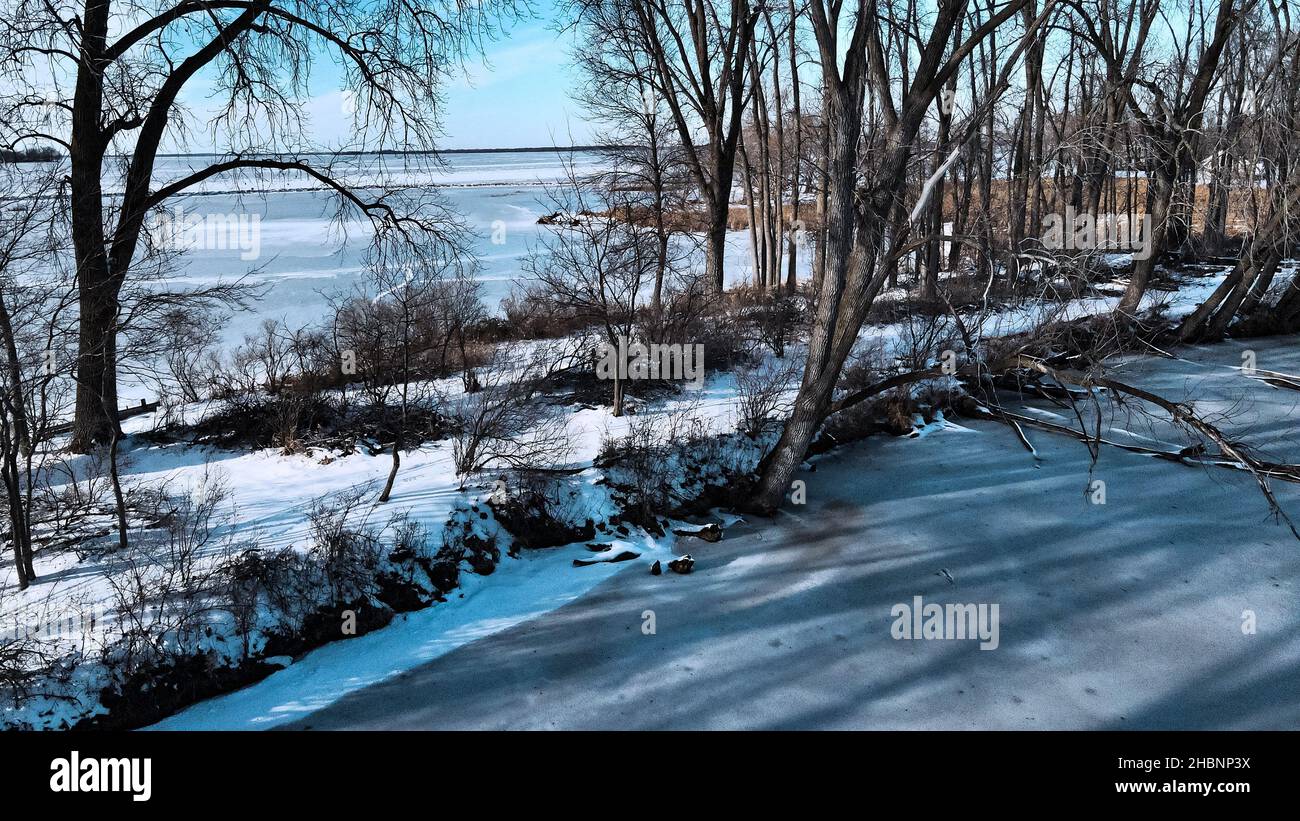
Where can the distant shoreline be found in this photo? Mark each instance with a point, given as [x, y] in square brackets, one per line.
[567, 149]
[537, 150]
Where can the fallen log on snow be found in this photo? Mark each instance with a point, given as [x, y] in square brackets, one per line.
[122, 415]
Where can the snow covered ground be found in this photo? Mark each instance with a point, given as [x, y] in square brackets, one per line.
[1121, 615]
[864, 485]
[270, 497]
[1124, 614]
[521, 589]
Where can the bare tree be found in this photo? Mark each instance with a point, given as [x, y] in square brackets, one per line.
[1273, 126]
[106, 80]
[647, 177]
[1171, 120]
[406, 297]
[697, 51]
[35, 301]
[864, 232]
[509, 423]
[595, 266]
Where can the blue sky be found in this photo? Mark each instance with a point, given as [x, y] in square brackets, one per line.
[518, 95]
[515, 94]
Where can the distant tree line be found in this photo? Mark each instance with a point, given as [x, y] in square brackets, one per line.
[42, 153]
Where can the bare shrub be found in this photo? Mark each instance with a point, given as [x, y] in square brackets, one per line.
[509, 422]
[541, 510]
[693, 313]
[773, 319]
[271, 591]
[763, 392]
[74, 499]
[454, 312]
[667, 461]
[165, 586]
[345, 545]
[20, 667]
[644, 468]
[466, 538]
[274, 390]
[923, 339]
[533, 313]
[189, 360]
[23, 659]
[264, 360]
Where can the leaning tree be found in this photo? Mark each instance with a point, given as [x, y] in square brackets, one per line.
[865, 235]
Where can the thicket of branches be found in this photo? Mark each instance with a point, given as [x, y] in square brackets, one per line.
[958, 155]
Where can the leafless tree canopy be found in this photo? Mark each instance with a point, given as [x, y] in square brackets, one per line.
[106, 81]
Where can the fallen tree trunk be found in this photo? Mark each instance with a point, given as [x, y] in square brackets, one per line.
[1184, 415]
[1230, 454]
[122, 414]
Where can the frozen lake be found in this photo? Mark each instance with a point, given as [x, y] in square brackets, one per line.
[303, 253]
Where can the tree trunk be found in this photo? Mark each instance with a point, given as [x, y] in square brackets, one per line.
[392, 472]
[95, 420]
[116, 481]
[931, 255]
[791, 277]
[17, 398]
[716, 246]
[849, 286]
[755, 253]
[21, 536]
[1255, 294]
[1162, 191]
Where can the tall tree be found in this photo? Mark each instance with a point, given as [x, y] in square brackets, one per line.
[645, 174]
[698, 53]
[1169, 113]
[35, 296]
[107, 79]
[864, 232]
